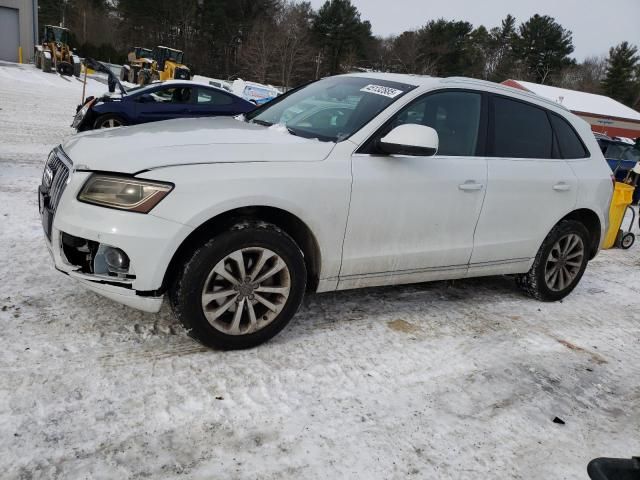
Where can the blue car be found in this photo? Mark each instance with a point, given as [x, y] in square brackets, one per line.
[155, 102]
[621, 157]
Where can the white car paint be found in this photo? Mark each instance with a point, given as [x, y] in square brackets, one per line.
[376, 220]
[189, 141]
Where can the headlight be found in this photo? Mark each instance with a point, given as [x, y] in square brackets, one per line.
[124, 193]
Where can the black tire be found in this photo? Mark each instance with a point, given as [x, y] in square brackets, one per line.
[46, 63]
[186, 289]
[627, 241]
[103, 121]
[144, 77]
[533, 282]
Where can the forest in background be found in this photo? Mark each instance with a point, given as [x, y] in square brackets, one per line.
[287, 43]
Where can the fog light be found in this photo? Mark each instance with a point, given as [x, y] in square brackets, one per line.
[116, 260]
[111, 261]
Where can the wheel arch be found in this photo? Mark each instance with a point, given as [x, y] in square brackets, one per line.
[98, 113]
[288, 222]
[592, 223]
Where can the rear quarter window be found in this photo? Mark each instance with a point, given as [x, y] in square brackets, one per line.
[568, 140]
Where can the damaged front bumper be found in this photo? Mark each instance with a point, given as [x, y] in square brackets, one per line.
[77, 234]
[118, 289]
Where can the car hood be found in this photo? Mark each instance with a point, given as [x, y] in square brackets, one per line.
[189, 141]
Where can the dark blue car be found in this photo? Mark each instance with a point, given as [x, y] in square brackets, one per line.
[621, 157]
[158, 101]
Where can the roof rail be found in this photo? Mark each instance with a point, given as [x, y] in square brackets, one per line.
[505, 88]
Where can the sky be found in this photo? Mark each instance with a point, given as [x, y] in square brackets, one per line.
[596, 25]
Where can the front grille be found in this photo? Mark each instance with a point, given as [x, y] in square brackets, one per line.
[60, 170]
[54, 181]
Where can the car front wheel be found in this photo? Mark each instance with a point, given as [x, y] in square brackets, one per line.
[109, 121]
[240, 288]
[559, 264]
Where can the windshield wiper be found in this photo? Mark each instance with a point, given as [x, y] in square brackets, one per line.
[261, 122]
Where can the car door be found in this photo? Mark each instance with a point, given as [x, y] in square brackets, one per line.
[530, 188]
[412, 218]
[210, 102]
[164, 103]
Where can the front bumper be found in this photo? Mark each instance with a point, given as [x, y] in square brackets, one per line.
[149, 242]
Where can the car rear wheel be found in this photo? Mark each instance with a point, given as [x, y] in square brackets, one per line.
[109, 121]
[559, 264]
[240, 288]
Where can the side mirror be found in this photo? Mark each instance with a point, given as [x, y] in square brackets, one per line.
[146, 98]
[410, 139]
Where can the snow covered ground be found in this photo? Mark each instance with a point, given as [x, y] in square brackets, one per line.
[443, 380]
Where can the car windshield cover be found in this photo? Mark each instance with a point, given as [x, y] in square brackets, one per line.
[331, 109]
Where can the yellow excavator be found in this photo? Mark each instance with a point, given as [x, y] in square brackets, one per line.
[167, 65]
[55, 52]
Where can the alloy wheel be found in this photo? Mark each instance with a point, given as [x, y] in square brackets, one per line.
[564, 262]
[111, 123]
[245, 291]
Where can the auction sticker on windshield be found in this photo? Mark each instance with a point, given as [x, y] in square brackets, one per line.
[380, 90]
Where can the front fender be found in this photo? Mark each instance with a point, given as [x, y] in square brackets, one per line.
[317, 193]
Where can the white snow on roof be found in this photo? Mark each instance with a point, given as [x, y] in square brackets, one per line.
[582, 102]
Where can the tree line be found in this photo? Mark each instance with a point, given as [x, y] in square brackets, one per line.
[287, 42]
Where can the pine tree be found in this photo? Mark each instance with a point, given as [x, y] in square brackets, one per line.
[621, 80]
[444, 48]
[544, 47]
[502, 59]
[339, 31]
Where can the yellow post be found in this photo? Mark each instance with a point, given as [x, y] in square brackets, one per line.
[20, 54]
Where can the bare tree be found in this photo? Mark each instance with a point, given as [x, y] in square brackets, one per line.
[258, 52]
[405, 50]
[293, 39]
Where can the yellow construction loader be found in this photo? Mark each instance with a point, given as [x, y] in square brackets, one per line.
[167, 65]
[55, 52]
[138, 58]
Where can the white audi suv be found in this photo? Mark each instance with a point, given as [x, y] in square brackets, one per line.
[351, 181]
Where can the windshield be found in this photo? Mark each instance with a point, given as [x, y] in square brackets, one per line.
[175, 55]
[331, 109]
[621, 151]
[59, 35]
[142, 89]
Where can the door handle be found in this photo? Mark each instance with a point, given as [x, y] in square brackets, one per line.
[470, 186]
[562, 187]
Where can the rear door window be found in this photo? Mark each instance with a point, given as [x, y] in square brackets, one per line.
[520, 130]
[570, 144]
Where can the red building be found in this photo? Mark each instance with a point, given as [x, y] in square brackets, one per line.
[604, 114]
